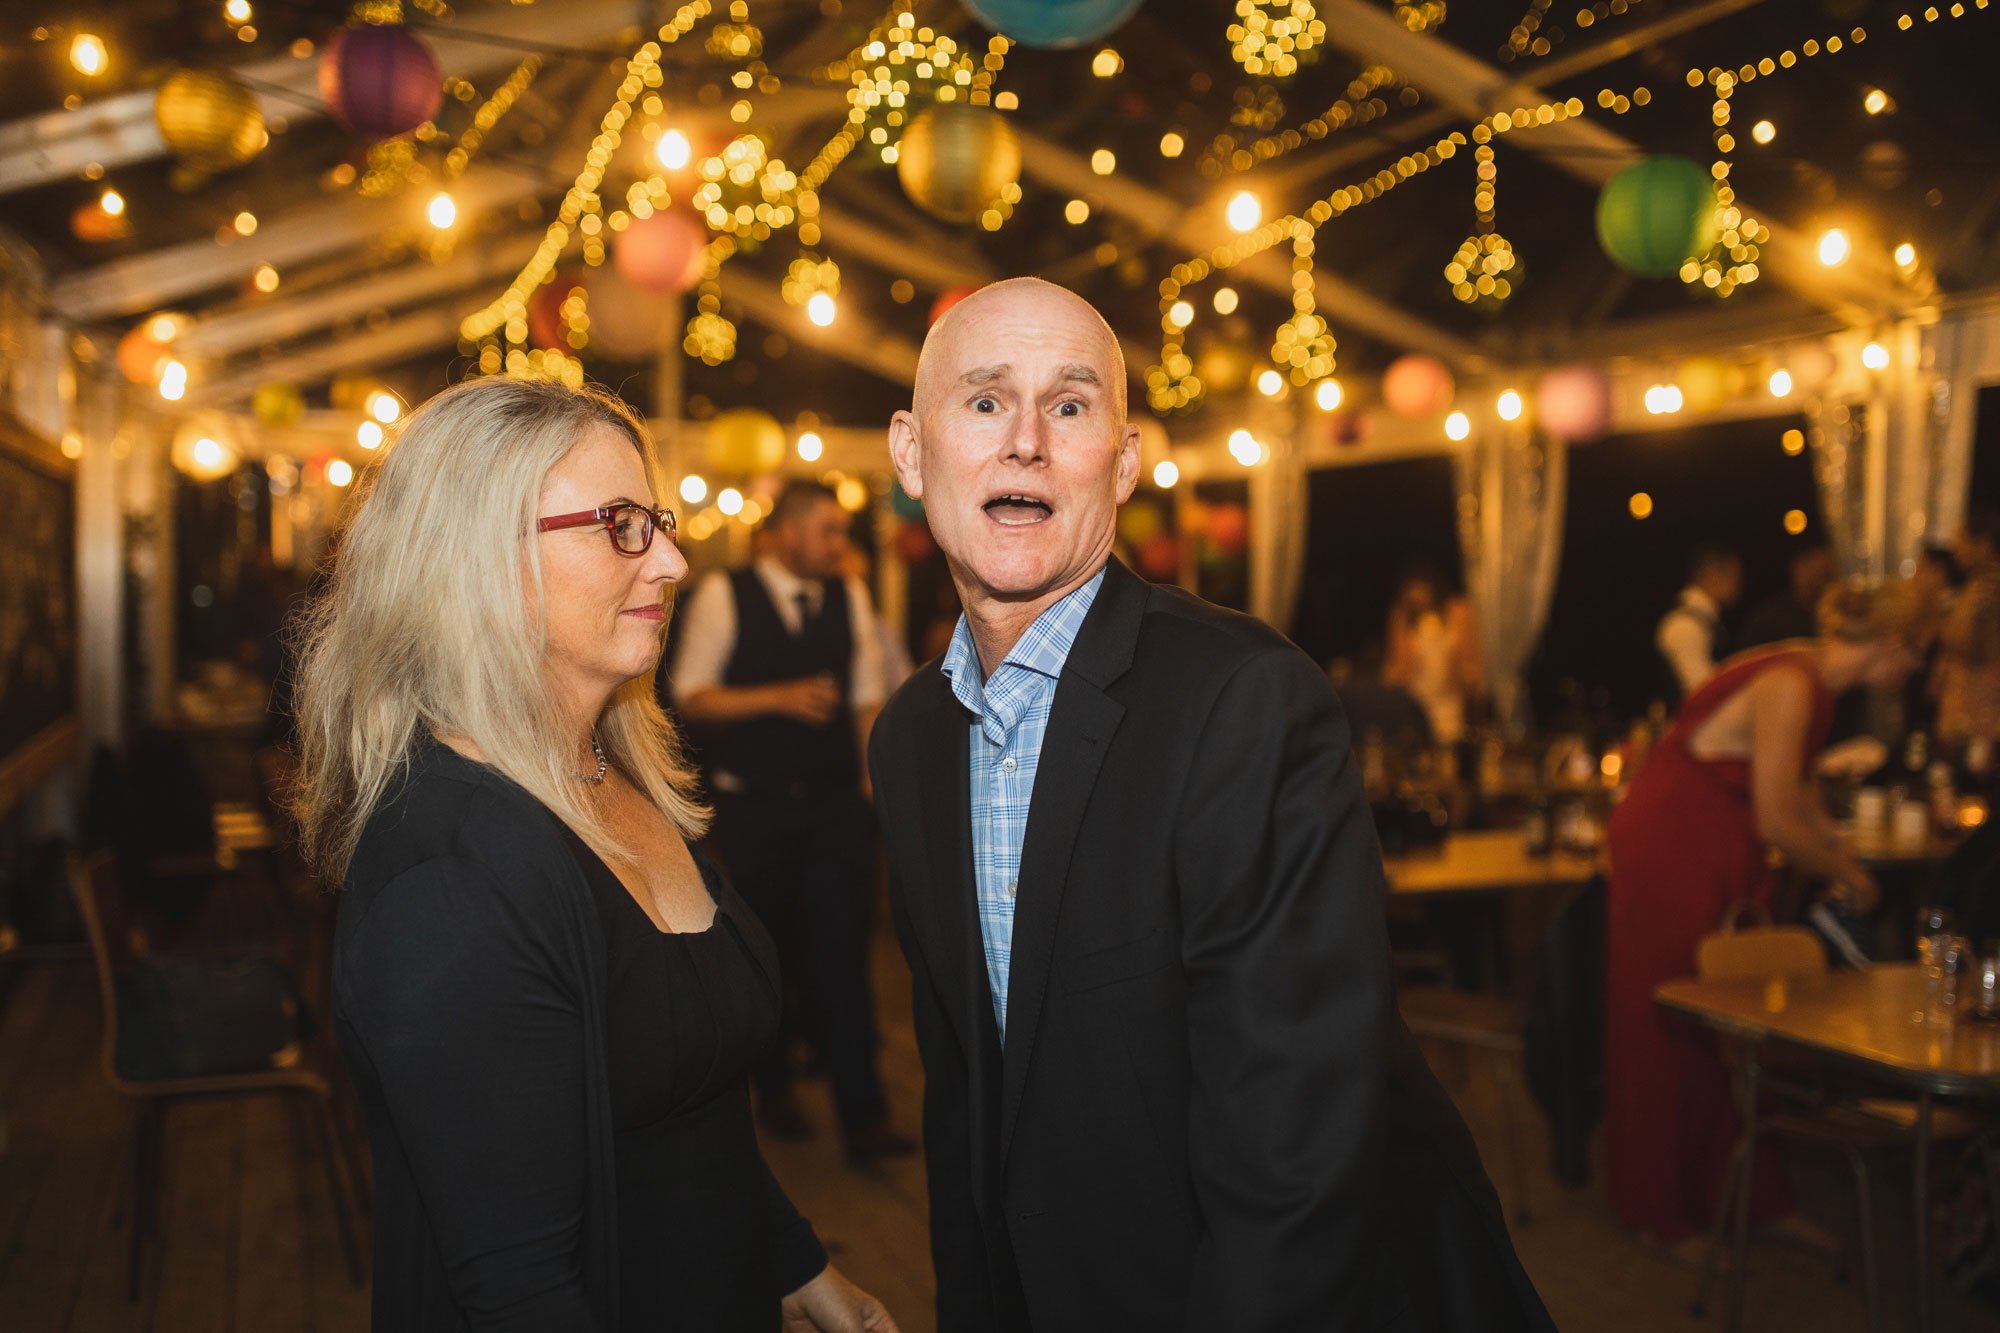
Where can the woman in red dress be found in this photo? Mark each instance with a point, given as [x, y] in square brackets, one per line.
[1732, 776]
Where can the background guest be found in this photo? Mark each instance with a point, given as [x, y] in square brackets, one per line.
[1731, 777]
[1793, 613]
[1432, 653]
[785, 660]
[1692, 637]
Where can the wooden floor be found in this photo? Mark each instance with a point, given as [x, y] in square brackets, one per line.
[248, 1240]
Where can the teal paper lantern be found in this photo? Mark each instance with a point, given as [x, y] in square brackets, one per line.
[1053, 22]
[1657, 214]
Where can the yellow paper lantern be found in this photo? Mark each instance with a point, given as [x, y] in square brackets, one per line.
[745, 441]
[209, 120]
[1704, 383]
[955, 160]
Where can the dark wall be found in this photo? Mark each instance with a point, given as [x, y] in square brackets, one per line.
[1729, 484]
[1986, 449]
[1368, 526]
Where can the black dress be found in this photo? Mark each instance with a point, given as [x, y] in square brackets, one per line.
[707, 1241]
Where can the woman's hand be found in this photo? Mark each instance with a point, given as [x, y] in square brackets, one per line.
[1858, 891]
[831, 1304]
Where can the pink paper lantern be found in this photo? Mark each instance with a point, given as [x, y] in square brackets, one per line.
[1574, 402]
[1812, 365]
[545, 322]
[627, 323]
[1417, 386]
[379, 80]
[662, 253]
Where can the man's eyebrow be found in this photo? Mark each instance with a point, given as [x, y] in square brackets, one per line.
[986, 374]
[1081, 373]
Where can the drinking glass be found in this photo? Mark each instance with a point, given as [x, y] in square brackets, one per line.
[1985, 983]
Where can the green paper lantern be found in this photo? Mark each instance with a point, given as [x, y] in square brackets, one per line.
[278, 405]
[1657, 214]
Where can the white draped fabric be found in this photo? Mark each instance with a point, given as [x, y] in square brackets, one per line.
[1512, 494]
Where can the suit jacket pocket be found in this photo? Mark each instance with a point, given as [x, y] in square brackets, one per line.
[1117, 962]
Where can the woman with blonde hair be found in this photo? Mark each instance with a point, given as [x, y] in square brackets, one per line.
[1730, 778]
[547, 996]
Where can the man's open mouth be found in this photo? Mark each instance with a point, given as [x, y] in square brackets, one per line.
[1018, 511]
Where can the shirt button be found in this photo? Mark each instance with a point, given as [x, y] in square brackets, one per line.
[1008, 765]
[1011, 884]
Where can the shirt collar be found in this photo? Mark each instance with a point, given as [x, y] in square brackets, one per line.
[1041, 651]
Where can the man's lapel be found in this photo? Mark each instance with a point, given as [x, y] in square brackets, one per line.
[943, 907]
[1082, 721]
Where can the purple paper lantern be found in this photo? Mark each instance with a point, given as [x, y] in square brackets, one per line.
[1574, 402]
[379, 80]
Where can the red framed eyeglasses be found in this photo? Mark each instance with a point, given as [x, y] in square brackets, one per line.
[630, 524]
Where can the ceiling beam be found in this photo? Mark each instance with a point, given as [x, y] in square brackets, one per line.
[407, 335]
[1863, 289]
[1196, 231]
[147, 281]
[119, 130]
[307, 312]
[932, 265]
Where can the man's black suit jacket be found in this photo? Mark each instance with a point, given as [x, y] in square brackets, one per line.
[1207, 1115]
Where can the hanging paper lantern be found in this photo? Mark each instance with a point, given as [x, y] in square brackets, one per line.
[914, 543]
[209, 120]
[627, 322]
[745, 441]
[545, 312]
[1574, 402]
[1417, 386]
[955, 159]
[1159, 556]
[379, 80]
[1225, 367]
[1703, 382]
[1812, 365]
[1657, 214]
[948, 298]
[1139, 523]
[143, 349]
[1228, 528]
[904, 505]
[278, 405]
[661, 253]
[1053, 23]
[89, 222]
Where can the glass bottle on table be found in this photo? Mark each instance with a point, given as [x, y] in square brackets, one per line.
[1934, 943]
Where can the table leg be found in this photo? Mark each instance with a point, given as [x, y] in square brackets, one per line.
[1920, 1189]
[1739, 1277]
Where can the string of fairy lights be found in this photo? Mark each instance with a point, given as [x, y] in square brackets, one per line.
[1479, 271]
[746, 193]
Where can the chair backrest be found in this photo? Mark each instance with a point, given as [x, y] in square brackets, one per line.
[93, 883]
[1760, 952]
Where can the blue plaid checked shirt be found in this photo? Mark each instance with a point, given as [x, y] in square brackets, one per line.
[1011, 716]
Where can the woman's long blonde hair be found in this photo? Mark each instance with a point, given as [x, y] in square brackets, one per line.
[423, 629]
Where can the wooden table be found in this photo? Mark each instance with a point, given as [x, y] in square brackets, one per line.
[1492, 861]
[1871, 1022]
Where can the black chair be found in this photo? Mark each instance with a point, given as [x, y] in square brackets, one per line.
[150, 1057]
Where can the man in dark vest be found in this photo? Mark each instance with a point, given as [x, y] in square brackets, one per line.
[1691, 638]
[783, 659]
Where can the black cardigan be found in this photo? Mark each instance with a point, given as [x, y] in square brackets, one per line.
[469, 984]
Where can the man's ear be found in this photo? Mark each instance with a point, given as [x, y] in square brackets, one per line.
[906, 454]
[1128, 462]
